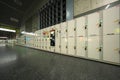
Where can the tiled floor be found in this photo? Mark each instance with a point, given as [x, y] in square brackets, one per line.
[19, 63]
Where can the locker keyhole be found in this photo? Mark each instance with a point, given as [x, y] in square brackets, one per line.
[85, 48]
[100, 25]
[100, 50]
[86, 27]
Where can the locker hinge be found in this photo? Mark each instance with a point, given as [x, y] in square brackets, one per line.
[74, 29]
[74, 47]
[85, 26]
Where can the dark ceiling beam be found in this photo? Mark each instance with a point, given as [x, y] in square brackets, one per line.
[12, 7]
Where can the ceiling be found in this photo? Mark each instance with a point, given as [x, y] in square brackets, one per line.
[12, 11]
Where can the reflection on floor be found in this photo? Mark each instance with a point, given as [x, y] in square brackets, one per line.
[20, 63]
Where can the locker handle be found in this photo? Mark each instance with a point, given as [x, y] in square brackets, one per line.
[66, 46]
[100, 25]
[100, 49]
[74, 29]
[85, 48]
[110, 34]
[66, 30]
[74, 47]
[85, 26]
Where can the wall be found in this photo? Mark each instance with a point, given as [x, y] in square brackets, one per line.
[81, 6]
[35, 22]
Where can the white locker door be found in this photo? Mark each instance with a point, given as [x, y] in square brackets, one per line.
[71, 37]
[52, 48]
[80, 34]
[63, 38]
[80, 27]
[57, 38]
[80, 46]
[93, 47]
[93, 24]
[111, 18]
[48, 39]
[111, 48]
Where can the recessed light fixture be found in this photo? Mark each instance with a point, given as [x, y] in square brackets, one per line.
[27, 33]
[107, 6]
[14, 19]
[3, 37]
[8, 30]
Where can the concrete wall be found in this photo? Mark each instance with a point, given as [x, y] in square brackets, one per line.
[81, 6]
[35, 22]
[32, 13]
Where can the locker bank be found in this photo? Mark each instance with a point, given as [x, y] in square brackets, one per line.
[59, 39]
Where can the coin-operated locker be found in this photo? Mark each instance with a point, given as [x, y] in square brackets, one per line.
[57, 38]
[94, 32]
[44, 38]
[42, 41]
[52, 39]
[81, 36]
[40, 38]
[64, 38]
[111, 34]
[71, 37]
[48, 39]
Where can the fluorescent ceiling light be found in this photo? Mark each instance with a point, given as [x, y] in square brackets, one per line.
[23, 32]
[3, 37]
[107, 6]
[14, 19]
[8, 30]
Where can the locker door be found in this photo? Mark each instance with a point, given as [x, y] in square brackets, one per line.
[52, 48]
[42, 39]
[80, 27]
[93, 24]
[57, 38]
[80, 46]
[93, 47]
[111, 18]
[80, 34]
[111, 48]
[71, 37]
[48, 39]
[64, 38]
